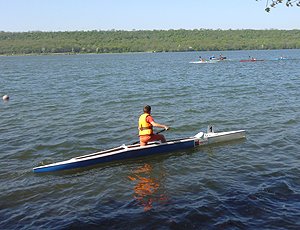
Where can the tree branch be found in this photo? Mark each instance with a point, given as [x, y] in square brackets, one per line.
[273, 3]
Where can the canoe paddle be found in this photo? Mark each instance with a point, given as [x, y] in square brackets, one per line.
[160, 131]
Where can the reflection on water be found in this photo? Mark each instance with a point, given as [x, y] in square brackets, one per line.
[148, 189]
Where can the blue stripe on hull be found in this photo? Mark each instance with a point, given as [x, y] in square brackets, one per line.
[164, 148]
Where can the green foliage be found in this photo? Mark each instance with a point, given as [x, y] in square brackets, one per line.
[116, 41]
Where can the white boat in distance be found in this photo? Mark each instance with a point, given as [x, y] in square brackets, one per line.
[204, 61]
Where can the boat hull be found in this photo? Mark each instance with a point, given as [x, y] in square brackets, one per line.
[225, 136]
[204, 62]
[122, 154]
[250, 60]
[135, 151]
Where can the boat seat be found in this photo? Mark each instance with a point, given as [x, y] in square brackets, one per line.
[199, 135]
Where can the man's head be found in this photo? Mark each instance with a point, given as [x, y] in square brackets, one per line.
[147, 109]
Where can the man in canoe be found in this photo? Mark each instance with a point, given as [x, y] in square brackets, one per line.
[146, 123]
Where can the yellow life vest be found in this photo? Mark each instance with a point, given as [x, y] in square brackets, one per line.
[145, 128]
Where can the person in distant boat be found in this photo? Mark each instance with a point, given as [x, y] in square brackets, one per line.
[146, 124]
[201, 59]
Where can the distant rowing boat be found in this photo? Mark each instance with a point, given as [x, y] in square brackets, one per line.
[133, 151]
[281, 59]
[204, 62]
[250, 60]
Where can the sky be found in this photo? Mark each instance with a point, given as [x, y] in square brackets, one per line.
[84, 15]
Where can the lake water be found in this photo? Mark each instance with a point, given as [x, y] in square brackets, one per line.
[66, 106]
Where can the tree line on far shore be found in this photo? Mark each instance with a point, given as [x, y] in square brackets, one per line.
[119, 41]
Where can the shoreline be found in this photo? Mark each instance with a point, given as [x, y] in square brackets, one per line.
[182, 51]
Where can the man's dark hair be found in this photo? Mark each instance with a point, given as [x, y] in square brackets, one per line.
[147, 109]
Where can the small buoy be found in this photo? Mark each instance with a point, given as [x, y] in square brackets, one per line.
[5, 98]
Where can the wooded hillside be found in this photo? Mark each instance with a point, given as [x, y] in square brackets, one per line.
[145, 41]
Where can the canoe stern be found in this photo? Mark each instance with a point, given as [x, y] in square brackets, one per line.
[224, 136]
